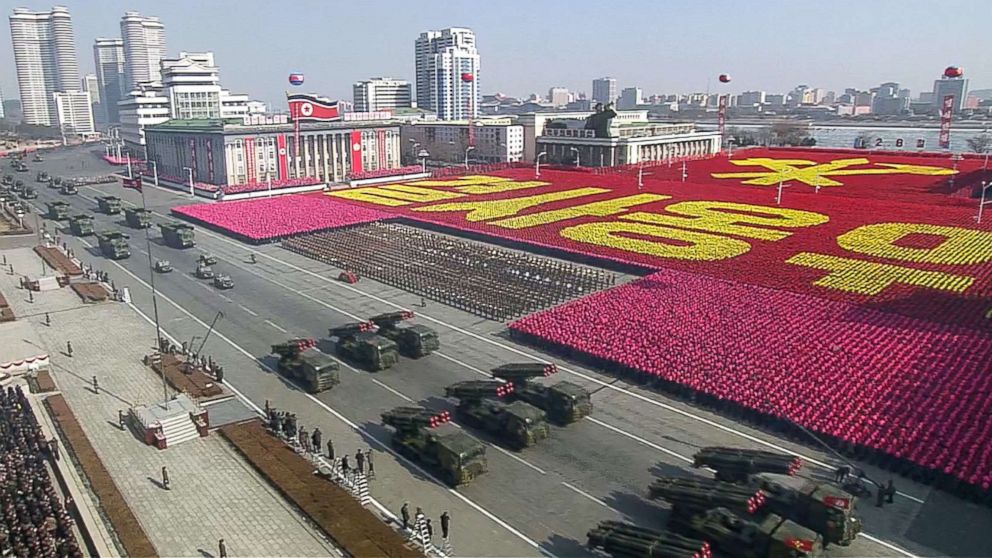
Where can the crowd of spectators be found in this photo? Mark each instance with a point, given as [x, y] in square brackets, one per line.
[33, 521]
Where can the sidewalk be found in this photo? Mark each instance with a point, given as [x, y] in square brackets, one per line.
[214, 493]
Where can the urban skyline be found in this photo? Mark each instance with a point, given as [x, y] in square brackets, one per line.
[254, 67]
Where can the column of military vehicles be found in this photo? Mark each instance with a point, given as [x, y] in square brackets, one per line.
[756, 506]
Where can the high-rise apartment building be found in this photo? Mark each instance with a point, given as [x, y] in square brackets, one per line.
[108, 59]
[89, 84]
[382, 93]
[630, 97]
[604, 90]
[144, 48]
[751, 98]
[45, 61]
[74, 112]
[448, 73]
[1, 103]
[559, 96]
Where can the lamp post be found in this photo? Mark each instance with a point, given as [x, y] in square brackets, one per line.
[730, 147]
[467, 149]
[576, 151]
[190, 171]
[537, 164]
[778, 197]
[981, 204]
[423, 155]
[154, 171]
[413, 148]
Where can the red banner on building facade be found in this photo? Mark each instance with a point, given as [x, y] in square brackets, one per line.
[281, 155]
[356, 151]
[946, 109]
[721, 115]
[250, 160]
[192, 164]
[210, 161]
[380, 144]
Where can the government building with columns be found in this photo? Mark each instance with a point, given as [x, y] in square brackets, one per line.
[253, 149]
[568, 142]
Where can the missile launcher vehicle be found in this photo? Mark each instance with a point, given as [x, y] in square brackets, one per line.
[113, 244]
[769, 536]
[300, 360]
[359, 343]
[29, 193]
[625, 540]
[413, 341]
[821, 506]
[111, 205]
[737, 464]
[177, 235]
[138, 218]
[564, 402]
[518, 425]
[58, 210]
[42, 176]
[81, 225]
[690, 496]
[453, 455]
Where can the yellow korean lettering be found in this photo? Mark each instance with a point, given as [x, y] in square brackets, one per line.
[594, 209]
[732, 218]
[869, 278]
[685, 245]
[484, 210]
[959, 246]
[467, 180]
[395, 195]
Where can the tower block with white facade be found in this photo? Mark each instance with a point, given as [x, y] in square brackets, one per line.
[143, 40]
[45, 61]
[448, 73]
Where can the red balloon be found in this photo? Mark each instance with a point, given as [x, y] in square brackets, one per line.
[953, 71]
[724, 78]
[468, 77]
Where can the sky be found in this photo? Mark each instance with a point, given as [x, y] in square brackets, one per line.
[527, 46]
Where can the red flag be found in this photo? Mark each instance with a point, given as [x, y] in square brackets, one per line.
[312, 108]
[132, 183]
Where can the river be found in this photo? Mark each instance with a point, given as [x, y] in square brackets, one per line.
[885, 137]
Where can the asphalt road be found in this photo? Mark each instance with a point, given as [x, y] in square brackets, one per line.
[548, 495]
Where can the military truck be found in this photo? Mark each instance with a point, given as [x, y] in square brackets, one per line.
[163, 266]
[301, 361]
[821, 506]
[38, 158]
[626, 540]
[564, 402]
[111, 205]
[138, 218]
[769, 536]
[207, 259]
[42, 176]
[58, 210]
[17, 186]
[358, 342]
[81, 225]
[738, 464]
[689, 496]
[8, 180]
[29, 193]
[223, 282]
[519, 425]
[69, 189]
[414, 341]
[203, 271]
[113, 244]
[177, 235]
[453, 455]
[19, 166]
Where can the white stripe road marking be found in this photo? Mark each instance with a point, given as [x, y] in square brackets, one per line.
[639, 439]
[565, 369]
[586, 494]
[249, 310]
[391, 390]
[517, 458]
[277, 326]
[385, 447]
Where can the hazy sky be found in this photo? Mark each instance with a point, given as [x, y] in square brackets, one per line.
[664, 46]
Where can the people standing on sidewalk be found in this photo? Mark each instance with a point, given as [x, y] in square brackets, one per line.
[405, 515]
[445, 523]
[330, 450]
[315, 440]
[120, 419]
[360, 462]
[221, 549]
[165, 478]
[68, 348]
[368, 461]
[96, 386]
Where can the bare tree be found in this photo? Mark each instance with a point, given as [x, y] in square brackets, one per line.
[790, 133]
[981, 143]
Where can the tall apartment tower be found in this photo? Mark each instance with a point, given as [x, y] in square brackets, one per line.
[108, 59]
[448, 73]
[604, 90]
[144, 48]
[45, 61]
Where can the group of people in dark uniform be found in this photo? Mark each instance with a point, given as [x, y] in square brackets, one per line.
[33, 521]
[286, 425]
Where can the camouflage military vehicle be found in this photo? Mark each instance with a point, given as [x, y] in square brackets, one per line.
[203, 271]
[690, 496]
[737, 464]
[626, 540]
[111, 205]
[138, 218]
[29, 193]
[19, 166]
[37, 157]
[453, 455]
[58, 210]
[42, 176]
[113, 244]
[8, 180]
[81, 225]
[519, 425]
[820, 506]
[769, 536]
[17, 186]
[358, 343]
[223, 282]
[177, 235]
[69, 189]
[564, 402]
[414, 341]
[302, 362]
[163, 266]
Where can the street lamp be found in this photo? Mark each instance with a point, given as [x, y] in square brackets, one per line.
[576, 151]
[190, 171]
[730, 147]
[537, 164]
[154, 171]
[981, 204]
[467, 149]
[423, 155]
[413, 147]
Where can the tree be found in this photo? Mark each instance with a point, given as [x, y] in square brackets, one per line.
[790, 133]
[981, 143]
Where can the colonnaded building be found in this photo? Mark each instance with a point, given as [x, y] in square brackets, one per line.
[256, 149]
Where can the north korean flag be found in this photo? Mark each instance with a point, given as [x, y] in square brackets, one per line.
[303, 107]
[132, 183]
